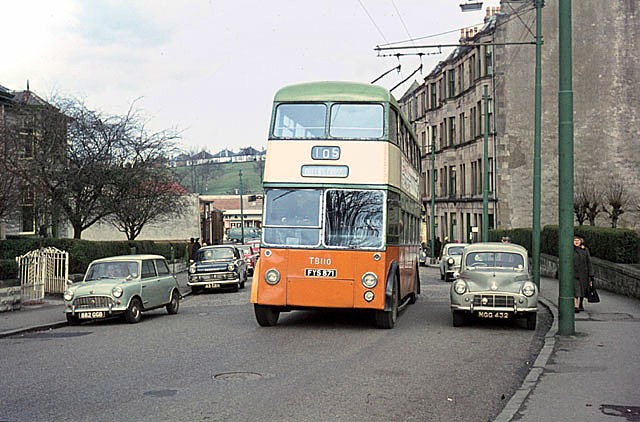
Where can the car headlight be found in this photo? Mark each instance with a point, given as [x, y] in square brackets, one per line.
[460, 287]
[116, 291]
[68, 295]
[272, 276]
[369, 280]
[192, 268]
[528, 289]
[450, 261]
[231, 267]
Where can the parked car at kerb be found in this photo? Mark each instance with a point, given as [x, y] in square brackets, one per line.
[450, 261]
[122, 285]
[217, 267]
[249, 257]
[494, 283]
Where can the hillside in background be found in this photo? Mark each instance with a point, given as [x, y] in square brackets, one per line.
[222, 178]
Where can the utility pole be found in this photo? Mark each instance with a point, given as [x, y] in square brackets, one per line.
[241, 211]
[566, 320]
[485, 169]
[433, 198]
[537, 179]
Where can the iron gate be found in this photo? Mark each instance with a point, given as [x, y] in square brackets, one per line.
[44, 270]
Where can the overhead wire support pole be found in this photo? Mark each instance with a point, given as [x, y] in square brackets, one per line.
[537, 178]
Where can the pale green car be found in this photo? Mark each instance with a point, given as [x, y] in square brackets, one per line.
[494, 283]
[122, 285]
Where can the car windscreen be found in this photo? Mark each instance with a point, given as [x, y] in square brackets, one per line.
[457, 250]
[494, 260]
[215, 254]
[119, 269]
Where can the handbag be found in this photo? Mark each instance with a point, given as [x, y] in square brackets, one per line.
[592, 294]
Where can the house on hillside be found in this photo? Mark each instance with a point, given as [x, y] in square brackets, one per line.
[224, 156]
[248, 154]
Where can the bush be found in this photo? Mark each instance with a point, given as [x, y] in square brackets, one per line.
[8, 269]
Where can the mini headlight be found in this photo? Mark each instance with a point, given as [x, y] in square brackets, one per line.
[528, 289]
[272, 276]
[369, 280]
[68, 295]
[231, 267]
[460, 287]
[450, 261]
[116, 291]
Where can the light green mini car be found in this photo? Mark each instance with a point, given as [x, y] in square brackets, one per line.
[122, 285]
[494, 283]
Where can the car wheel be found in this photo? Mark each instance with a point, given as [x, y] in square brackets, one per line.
[459, 318]
[243, 281]
[174, 304]
[387, 319]
[73, 320]
[134, 311]
[531, 321]
[441, 276]
[267, 316]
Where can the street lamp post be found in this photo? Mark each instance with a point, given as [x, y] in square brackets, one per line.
[537, 179]
[485, 169]
[433, 198]
[241, 211]
[566, 320]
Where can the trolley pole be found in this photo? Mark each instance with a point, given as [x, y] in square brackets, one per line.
[485, 169]
[537, 179]
[566, 320]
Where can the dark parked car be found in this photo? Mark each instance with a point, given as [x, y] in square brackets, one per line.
[218, 267]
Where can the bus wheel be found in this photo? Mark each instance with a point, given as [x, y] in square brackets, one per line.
[387, 319]
[267, 316]
[416, 287]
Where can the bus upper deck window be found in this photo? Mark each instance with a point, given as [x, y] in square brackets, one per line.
[300, 121]
[357, 121]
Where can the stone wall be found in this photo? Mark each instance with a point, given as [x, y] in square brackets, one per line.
[616, 278]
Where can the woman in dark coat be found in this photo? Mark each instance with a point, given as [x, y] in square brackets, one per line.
[582, 272]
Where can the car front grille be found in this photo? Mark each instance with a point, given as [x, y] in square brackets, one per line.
[87, 302]
[493, 301]
[214, 276]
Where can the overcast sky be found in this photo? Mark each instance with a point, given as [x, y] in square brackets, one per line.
[210, 68]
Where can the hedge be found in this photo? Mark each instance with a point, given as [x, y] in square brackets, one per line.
[81, 252]
[621, 246]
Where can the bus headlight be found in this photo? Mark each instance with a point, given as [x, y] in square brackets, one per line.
[528, 289]
[459, 287]
[116, 291]
[369, 280]
[368, 295]
[68, 295]
[272, 276]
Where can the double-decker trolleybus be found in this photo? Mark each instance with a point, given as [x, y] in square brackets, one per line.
[341, 210]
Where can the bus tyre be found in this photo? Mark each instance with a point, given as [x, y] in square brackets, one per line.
[387, 319]
[267, 316]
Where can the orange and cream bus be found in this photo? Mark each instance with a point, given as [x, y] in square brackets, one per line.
[341, 210]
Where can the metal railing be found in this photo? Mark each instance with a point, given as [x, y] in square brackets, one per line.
[45, 270]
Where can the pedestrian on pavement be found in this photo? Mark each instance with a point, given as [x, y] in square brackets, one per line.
[582, 272]
[196, 247]
[437, 249]
[506, 239]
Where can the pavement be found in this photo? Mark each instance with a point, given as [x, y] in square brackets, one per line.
[592, 375]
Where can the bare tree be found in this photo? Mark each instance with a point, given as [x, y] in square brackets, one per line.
[80, 154]
[148, 198]
[616, 201]
[592, 198]
[9, 182]
[579, 206]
